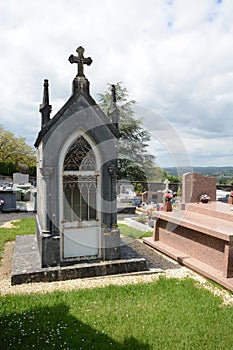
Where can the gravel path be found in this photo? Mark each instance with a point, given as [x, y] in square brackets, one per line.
[44, 287]
[154, 259]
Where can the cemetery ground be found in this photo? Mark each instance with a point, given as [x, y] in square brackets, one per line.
[175, 309]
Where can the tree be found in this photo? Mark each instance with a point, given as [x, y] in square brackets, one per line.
[172, 178]
[15, 150]
[135, 163]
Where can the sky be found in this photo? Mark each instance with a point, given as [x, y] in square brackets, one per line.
[175, 57]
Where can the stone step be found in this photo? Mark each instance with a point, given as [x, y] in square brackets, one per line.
[199, 239]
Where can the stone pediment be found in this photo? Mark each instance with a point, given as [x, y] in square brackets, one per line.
[79, 101]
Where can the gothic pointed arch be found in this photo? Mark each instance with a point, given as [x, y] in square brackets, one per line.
[80, 181]
[80, 156]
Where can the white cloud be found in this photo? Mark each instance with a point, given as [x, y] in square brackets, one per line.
[175, 57]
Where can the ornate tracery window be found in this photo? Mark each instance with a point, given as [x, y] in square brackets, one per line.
[80, 156]
[80, 182]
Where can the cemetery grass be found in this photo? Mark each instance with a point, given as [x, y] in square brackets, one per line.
[165, 314]
[132, 232]
[22, 227]
[27, 226]
[168, 313]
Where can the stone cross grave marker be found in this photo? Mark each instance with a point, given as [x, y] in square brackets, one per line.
[166, 183]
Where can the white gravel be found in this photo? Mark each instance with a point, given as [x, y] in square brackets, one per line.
[44, 287]
[99, 282]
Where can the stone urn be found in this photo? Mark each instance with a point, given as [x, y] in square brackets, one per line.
[167, 206]
[230, 200]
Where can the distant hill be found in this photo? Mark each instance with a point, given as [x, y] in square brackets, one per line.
[223, 174]
[207, 171]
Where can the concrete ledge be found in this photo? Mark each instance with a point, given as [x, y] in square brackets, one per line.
[138, 225]
[26, 266]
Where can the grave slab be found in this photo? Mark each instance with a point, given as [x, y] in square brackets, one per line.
[26, 267]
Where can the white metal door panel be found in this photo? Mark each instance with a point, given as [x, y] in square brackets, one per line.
[81, 242]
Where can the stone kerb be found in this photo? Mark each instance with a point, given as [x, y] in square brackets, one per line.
[194, 185]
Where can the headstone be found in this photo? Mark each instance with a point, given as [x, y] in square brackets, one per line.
[166, 183]
[194, 185]
[127, 193]
[159, 197]
[76, 177]
[152, 196]
[20, 179]
[155, 192]
[33, 198]
[8, 197]
[145, 196]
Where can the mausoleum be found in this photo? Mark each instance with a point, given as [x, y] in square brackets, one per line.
[76, 177]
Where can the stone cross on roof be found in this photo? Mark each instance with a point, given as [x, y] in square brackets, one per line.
[80, 60]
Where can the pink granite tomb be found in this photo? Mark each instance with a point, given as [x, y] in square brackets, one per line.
[201, 235]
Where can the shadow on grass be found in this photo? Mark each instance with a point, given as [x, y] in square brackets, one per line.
[56, 328]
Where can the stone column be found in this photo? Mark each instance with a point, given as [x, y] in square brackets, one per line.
[50, 245]
[112, 237]
[46, 173]
[113, 172]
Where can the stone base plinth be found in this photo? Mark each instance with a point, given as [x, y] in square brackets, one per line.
[111, 250]
[27, 266]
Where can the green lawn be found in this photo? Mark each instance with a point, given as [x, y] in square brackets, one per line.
[166, 314]
[28, 226]
[23, 227]
[132, 232]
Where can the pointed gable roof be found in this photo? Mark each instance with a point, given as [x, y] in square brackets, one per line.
[80, 99]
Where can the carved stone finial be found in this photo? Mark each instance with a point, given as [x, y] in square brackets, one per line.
[113, 89]
[45, 107]
[113, 111]
[80, 60]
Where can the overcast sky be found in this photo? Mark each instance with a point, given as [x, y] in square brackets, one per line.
[174, 57]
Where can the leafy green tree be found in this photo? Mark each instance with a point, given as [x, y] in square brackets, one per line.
[15, 150]
[135, 163]
[172, 178]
